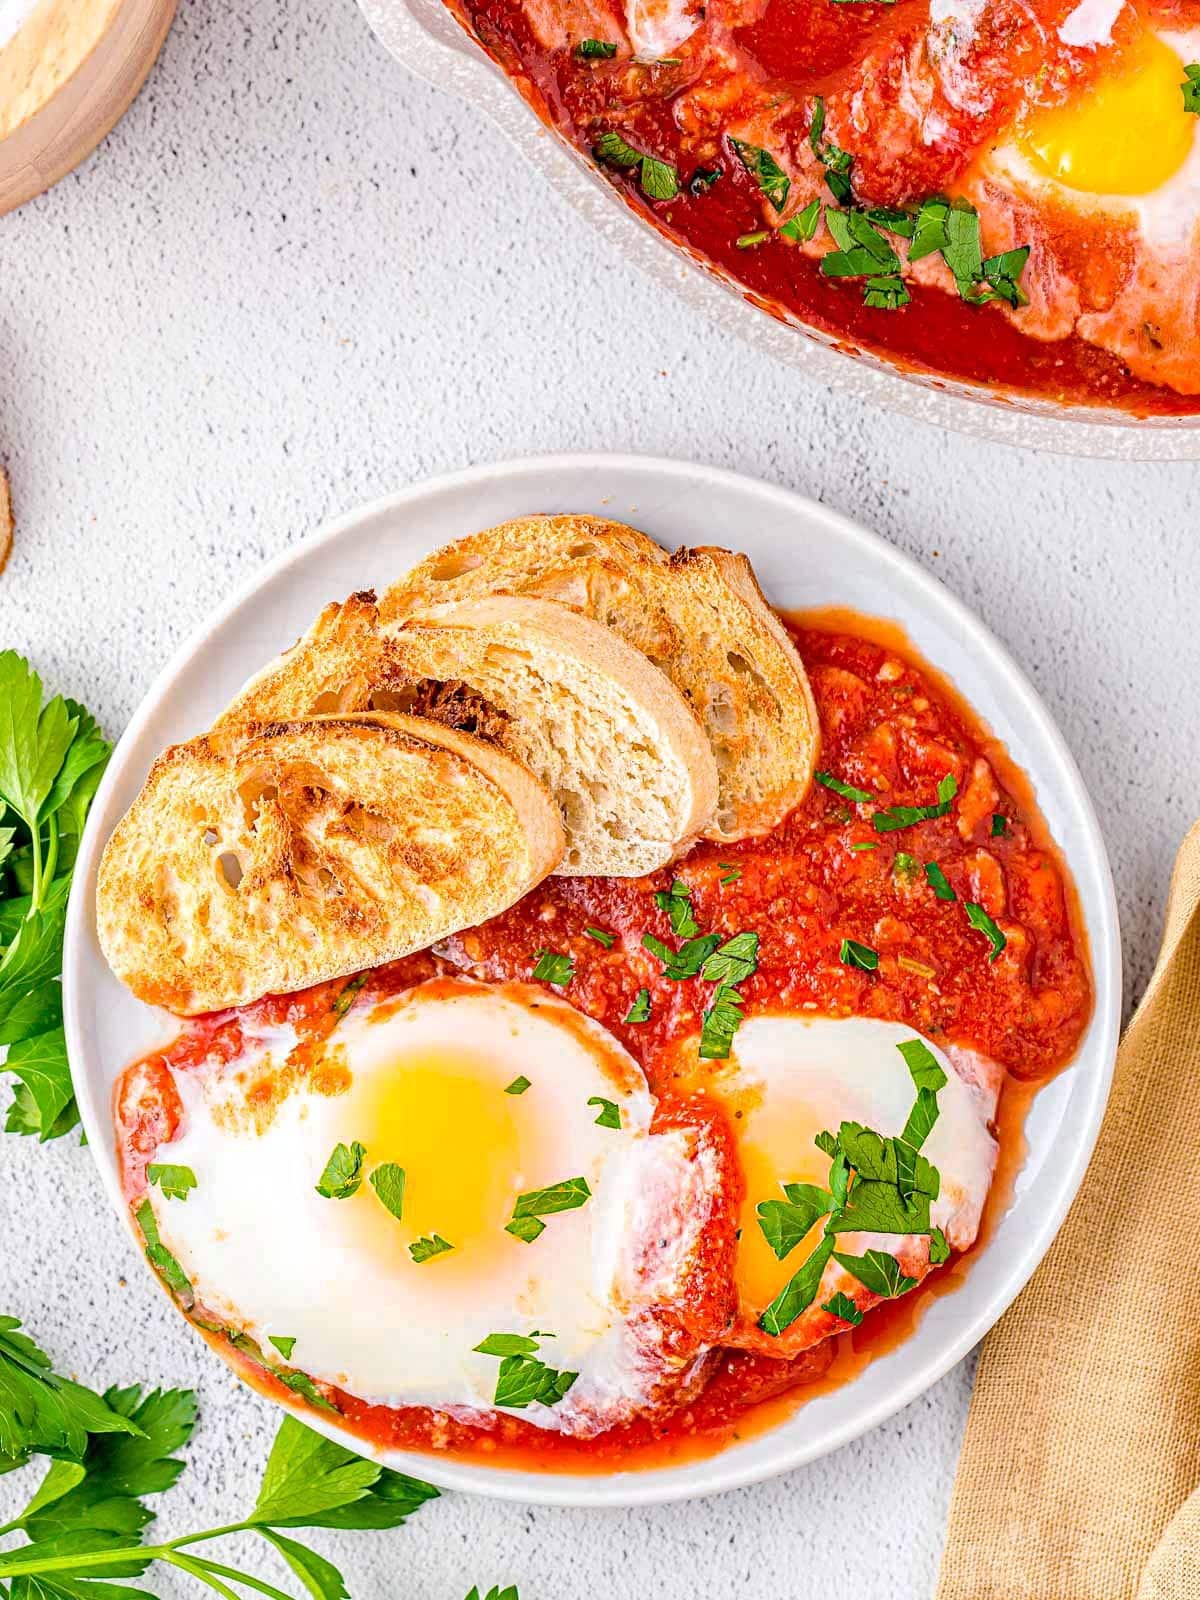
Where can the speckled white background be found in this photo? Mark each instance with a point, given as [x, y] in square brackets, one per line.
[294, 279]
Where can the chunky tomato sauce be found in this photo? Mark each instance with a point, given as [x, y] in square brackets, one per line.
[889, 726]
[915, 105]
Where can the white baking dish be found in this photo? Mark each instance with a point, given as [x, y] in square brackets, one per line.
[426, 38]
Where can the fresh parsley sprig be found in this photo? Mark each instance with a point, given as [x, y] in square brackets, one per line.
[52, 757]
[83, 1527]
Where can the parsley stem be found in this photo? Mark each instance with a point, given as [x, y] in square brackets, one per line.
[230, 1572]
[201, 1570]
[35, 897]
[209, 1533]
[51, 866]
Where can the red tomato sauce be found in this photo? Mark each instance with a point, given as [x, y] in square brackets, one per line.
[890, 726]
[751, 57]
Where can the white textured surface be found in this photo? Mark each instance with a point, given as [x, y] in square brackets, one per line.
[293, 279]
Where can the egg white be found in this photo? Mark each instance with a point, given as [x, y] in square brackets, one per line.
[270, 1256]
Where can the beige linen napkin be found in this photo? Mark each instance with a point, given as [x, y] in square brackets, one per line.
[1083, 1440]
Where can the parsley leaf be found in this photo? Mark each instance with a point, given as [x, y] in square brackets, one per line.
[426, 1247]
[677, 903]
[979, 919]
[803, 226]
[518, 1085]
[765, 170]
[840, 1305]
[553, 967]
[387, 1181]
[606, 939]
[639, 1011]
[734, 961]
[922, 1065]
[938, 881]
[568, 1195]
[343, 1172]
[854, 954]
[40, 1063]
[595, 50]
[877, 1271]
[346, 997]
[721, 1021]
[161, 1259]
[657, 179]
[40, 1411]
[939, 1249]
[524, 1377]
[893, 817]
[284, 1343]
[609, 1115]
[798, 1293]
[999, 825]
[846, 790]
[1191, 88]
[685, 962]
[175, 1182]
[785, 1222]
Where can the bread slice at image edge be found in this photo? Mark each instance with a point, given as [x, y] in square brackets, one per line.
[311, 849]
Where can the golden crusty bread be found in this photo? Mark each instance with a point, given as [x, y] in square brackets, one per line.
[329, 669]
[699, 615]
[602, 728]
[310, 849]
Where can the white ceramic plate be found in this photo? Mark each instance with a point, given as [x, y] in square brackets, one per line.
[425, 37]
[805, 556]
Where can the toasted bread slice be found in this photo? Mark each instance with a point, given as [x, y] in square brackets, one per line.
[699, 615]
[330, 669]
[604, 730]
[307, 850]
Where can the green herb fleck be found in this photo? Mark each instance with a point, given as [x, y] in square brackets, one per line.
[938, 883]
[979, 920]
[425, 1248]
[387, 1181]
[606, 939]
[609, 1115]
[518, 1085]
[846, 790]
[175, 1182]
[595, 50]
[854, 954]
[551, 966]
[639, 1011]
[343, 1172]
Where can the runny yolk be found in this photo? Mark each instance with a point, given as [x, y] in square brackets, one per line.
[440, 1115]
[776, 1147]
[1125, 133]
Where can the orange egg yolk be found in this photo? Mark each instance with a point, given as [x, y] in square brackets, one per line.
[441, 1117]
[775, 1148]
[1123, 134]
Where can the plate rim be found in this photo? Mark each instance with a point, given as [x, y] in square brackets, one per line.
[690, 1479]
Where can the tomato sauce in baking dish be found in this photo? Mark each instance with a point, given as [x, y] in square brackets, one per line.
[957, 920]
[951, 184]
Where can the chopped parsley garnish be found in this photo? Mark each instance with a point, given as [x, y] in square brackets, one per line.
[346, 996]
[853, 954]
[518, 1085]
[785, 1222]
[892, 1190]
[748, 241]
[161, 1259]
[721, 1021]
[862, 251]
[904, 865]
[893, 817]
[677, 903]
[1191, 88]
[687, 960]
[979, 919]
[999, 825]
[866, 844]
[524, 1377]
[343, 1173]
[702, 180]
[877, 1271]
[609, 1115]
[284, 1343]
[803, 226]
[887, 293]
[765, 170]
[639, 1011]
[526, 1220]
[951, 227]
[734, 961]
[595, 50]
[837, 163]
[731, 872]
[846, 790]
[387, 1180]
[425, 1248]
[841, 1305]
[551, 966]
[606, 939]
[658, 179]
[175, 1182]
[938, 883]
